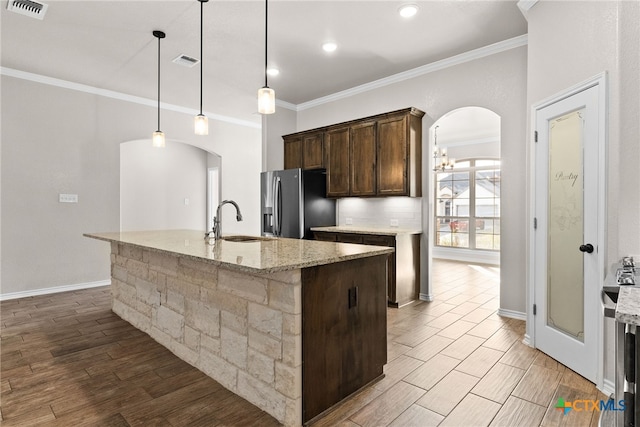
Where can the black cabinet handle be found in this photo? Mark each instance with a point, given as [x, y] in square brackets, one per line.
[588, 248]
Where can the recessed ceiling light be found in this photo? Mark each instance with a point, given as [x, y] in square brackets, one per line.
[408, 10]
[273, 71]
[329, 46]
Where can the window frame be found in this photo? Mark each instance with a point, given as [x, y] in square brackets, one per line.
[472, 219]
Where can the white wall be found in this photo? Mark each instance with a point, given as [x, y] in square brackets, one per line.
[570, 42]
[154, 184]
[57, 140]
[628, 239]
[496, 82]
[282, 122]
[44, 137]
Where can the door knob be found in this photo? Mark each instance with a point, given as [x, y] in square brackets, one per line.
[588, 248]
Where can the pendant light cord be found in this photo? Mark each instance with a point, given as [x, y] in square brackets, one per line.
[201, 57]
[158, 84]
[266, 23]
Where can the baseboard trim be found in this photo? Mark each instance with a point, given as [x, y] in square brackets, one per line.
[54, 290]
[608, 387]
[466, 255]
[512, 314]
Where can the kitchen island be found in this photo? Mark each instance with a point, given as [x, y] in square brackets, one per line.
[293, 326]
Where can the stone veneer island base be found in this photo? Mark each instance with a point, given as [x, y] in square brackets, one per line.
[293, 326]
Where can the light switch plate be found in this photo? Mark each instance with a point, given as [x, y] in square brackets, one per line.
[68, 198]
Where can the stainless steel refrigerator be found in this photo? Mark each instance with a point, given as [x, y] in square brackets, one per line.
[293, 201]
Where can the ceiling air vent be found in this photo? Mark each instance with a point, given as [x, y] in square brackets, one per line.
[30, 8]
[186, 61]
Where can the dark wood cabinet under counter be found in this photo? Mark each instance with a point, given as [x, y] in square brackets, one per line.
[403, 267]
[344, 345]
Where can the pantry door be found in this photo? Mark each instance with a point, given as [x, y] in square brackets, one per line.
[568, 232]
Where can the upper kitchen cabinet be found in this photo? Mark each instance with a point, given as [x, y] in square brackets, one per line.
[304, 150]
[400, 154]
[351, 160]
[292, 152]
[363, 159]
[338, 143]
[375, 156]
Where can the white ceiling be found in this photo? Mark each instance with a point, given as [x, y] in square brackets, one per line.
[109, 45]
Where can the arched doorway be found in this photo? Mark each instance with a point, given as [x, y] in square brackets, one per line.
[464, 200]
[165, 188]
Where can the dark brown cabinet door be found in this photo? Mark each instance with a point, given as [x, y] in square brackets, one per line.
[363, 159]
[293, 152]
[392, 156]
[337, 156]
[312, 151]
[344, 313]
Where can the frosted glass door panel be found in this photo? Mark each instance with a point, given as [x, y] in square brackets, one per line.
[565, 280]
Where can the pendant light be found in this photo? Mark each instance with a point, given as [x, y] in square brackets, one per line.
[201, 122]
[266, 95]
[158, 135]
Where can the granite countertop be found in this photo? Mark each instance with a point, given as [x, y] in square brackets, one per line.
[628, 305]
[265, 255]
[384, 231]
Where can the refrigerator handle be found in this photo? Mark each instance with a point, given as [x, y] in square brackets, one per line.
[276, 206]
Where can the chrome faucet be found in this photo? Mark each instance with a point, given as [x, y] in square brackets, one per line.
[217, 221]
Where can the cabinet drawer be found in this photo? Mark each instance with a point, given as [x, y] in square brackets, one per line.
[379, 240]
[349, 238]
[324, 236]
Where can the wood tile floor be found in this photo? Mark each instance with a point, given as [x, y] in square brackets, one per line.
[67, 360]
[455, 362]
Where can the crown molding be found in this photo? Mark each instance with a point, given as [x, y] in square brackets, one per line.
[472, 55]
[287, 105]
[65, 84]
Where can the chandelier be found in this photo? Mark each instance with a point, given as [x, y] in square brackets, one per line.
[441, 161]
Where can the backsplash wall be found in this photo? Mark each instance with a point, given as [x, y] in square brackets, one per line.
[380, 211]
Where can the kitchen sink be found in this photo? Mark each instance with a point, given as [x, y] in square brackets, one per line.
[245, 238]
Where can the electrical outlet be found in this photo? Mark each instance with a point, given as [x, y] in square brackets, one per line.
[349, 221]
[67, 198]
[394, 223]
